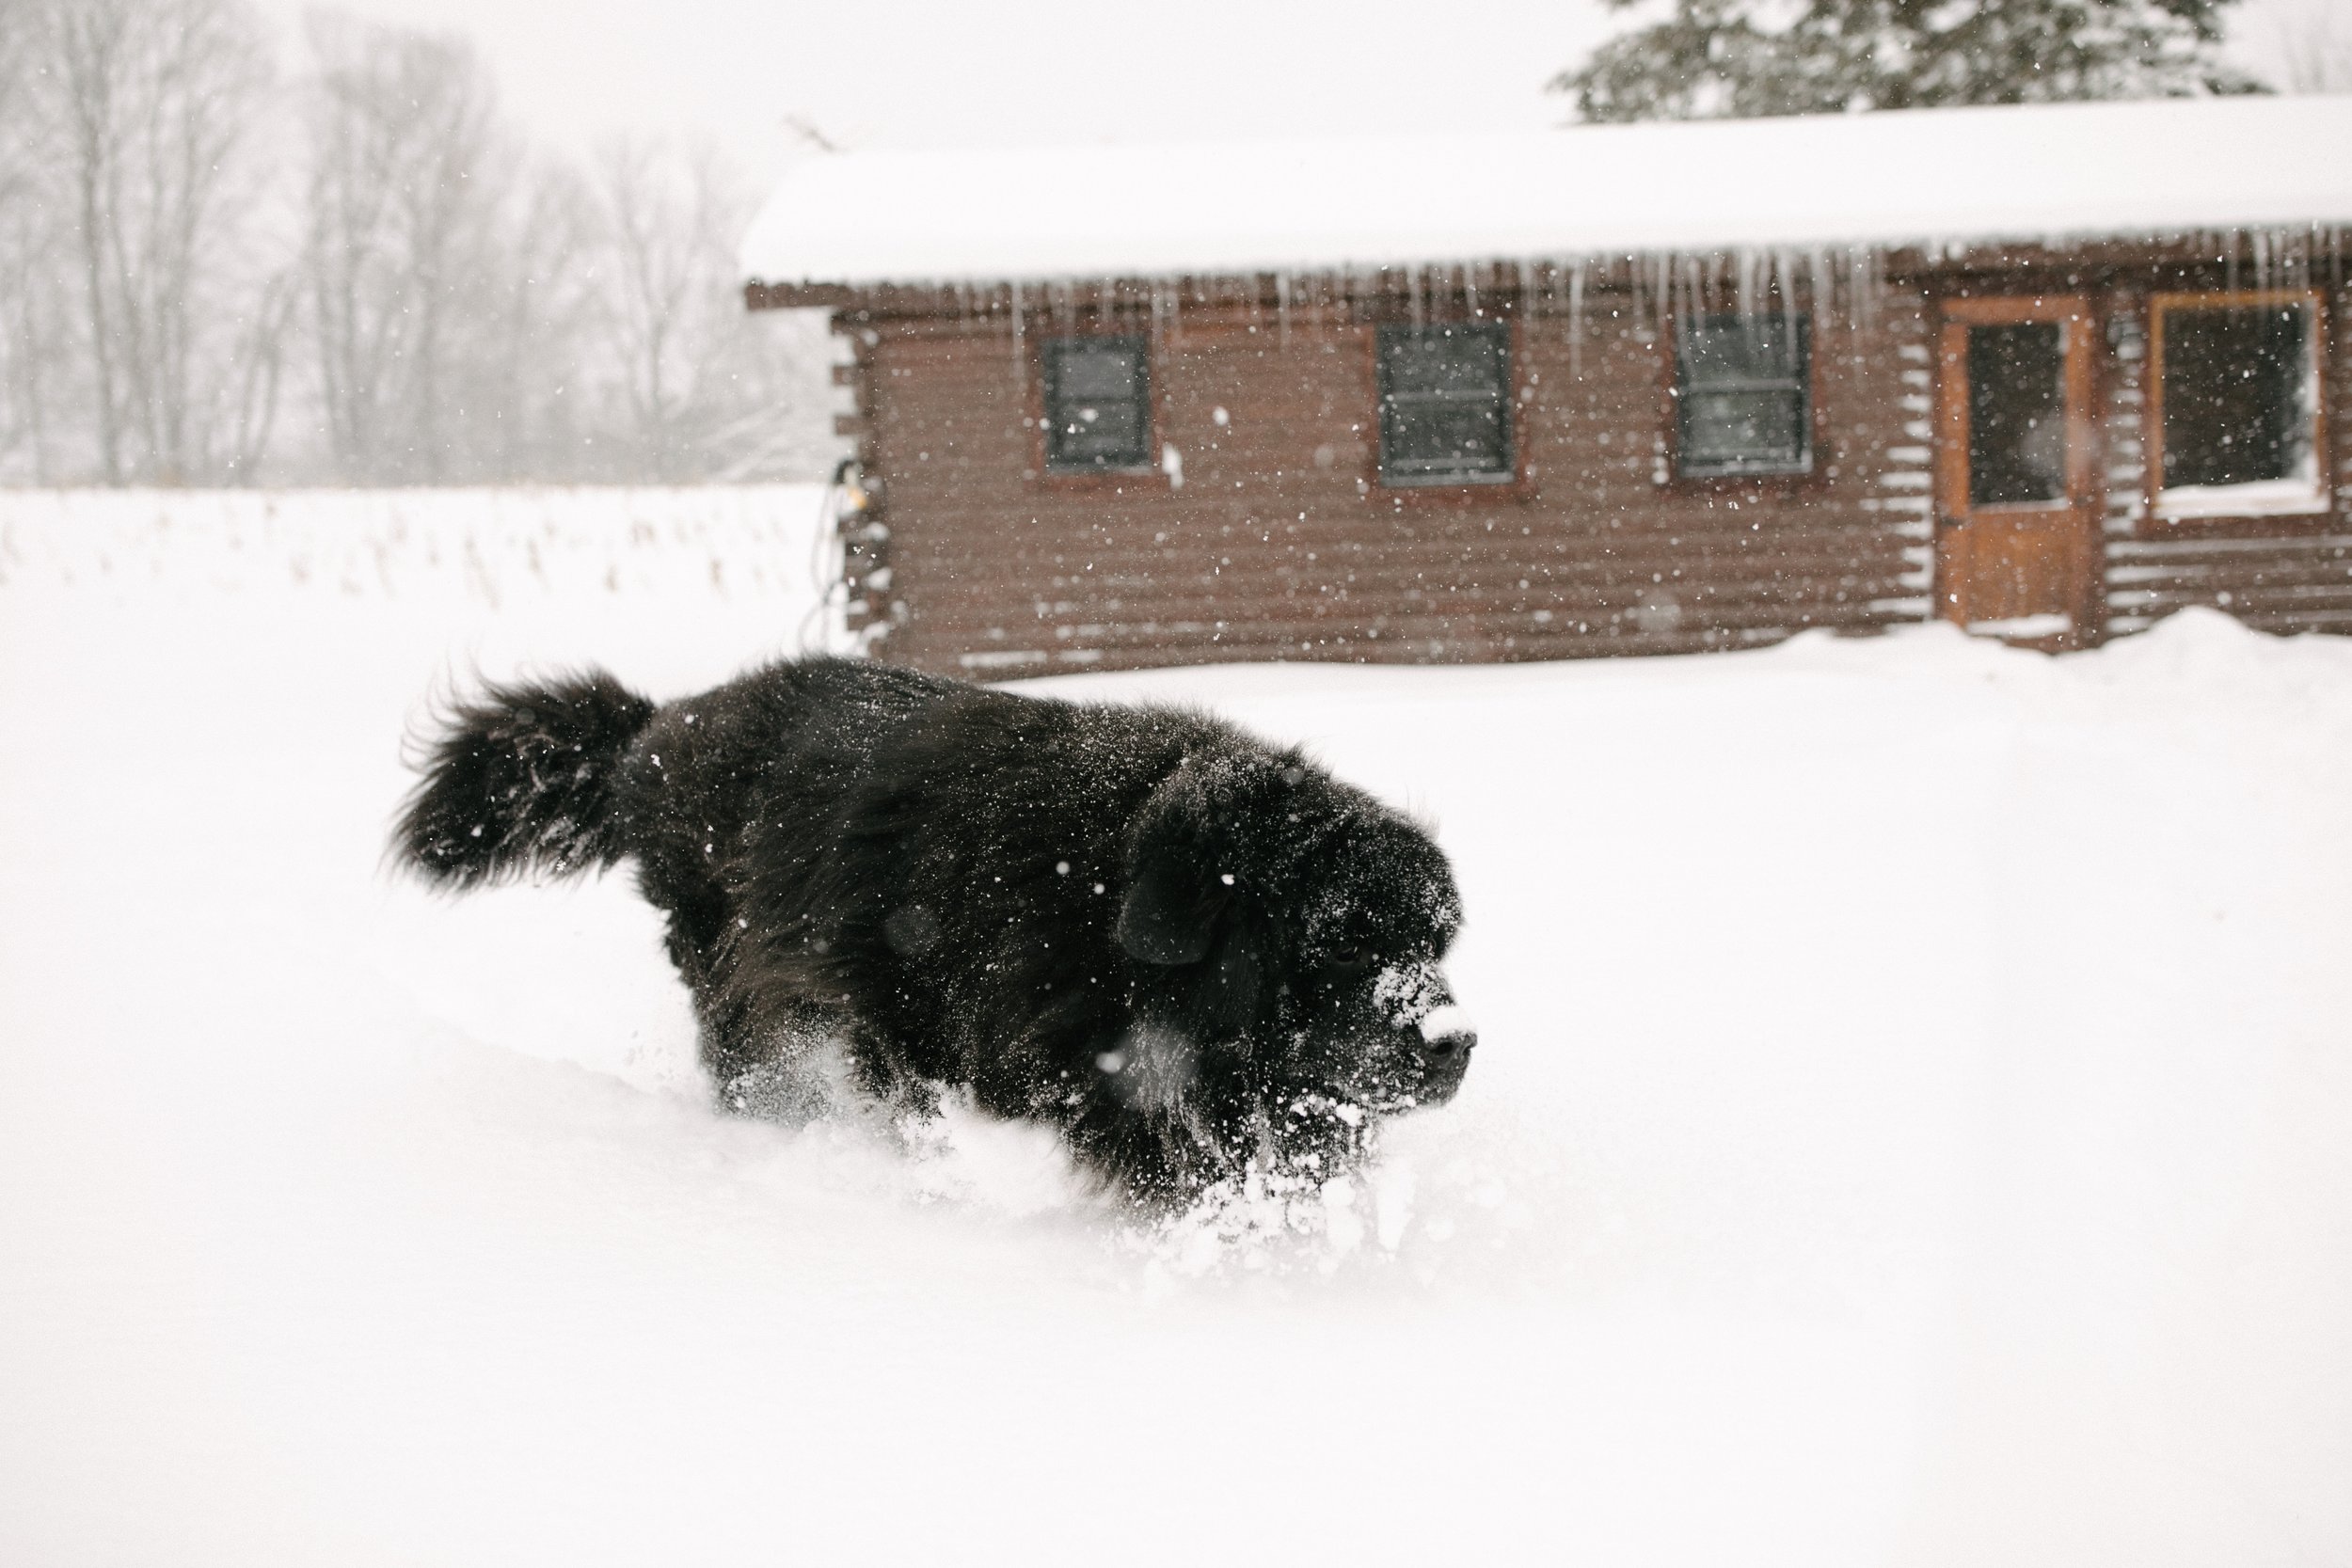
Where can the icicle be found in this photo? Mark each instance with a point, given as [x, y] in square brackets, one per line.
[1283, 308]
[1784, 283]
[1576, 318]
[1470, 287]
[1863, 264]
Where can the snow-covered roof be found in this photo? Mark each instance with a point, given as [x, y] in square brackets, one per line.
[1934, 176]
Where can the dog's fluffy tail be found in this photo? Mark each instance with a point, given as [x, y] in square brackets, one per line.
[523, 779]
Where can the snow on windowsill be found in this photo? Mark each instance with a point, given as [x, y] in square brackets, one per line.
[2263, 497]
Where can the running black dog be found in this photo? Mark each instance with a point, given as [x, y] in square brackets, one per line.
[1190, 951]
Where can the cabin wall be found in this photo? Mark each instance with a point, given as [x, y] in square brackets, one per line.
[1281, 543]
[2285, 574]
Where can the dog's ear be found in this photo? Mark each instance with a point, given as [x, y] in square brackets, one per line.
[1168, 915]
[1174, 893]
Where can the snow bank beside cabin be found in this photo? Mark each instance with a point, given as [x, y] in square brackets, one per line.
[2025, 173]
[1911, 1127]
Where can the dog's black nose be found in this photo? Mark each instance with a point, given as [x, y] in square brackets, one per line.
[1453, 1043]
[1445, 1055]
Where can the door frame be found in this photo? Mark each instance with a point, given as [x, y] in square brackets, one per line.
[2083, 494]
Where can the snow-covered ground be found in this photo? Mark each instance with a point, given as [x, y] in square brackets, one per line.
[1913, 1123]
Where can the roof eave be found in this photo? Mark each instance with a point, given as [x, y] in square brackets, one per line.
[1893, 260]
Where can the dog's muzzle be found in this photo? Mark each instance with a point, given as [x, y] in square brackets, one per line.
[1446, 1041]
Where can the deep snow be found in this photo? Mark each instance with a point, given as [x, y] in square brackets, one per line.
[1913, 1123]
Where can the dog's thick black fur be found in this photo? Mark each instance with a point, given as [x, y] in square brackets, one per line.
[1188, 950]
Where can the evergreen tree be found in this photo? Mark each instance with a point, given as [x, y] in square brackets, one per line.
[1750, 58]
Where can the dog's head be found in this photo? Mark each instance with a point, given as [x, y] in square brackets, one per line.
[1285, 932]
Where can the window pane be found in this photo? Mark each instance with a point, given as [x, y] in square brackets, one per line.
[1729, 430]
[1444, 360]
[1099, 371]
[1445, 412]
[1439, 440]
[1743, 348]
[2017, 413]
[2234, 383]
[1098, 404]
[1744, 394]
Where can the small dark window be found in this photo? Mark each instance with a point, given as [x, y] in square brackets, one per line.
[1098, 404]
[1445, 404]
[2017, 413]
[1743, 395]
[2236, 395]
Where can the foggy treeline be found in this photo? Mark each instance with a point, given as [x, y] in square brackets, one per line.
[232, 258]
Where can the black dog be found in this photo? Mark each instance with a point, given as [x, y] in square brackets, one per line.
[1186, 949]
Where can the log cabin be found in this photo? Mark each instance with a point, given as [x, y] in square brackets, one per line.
[2050, 373]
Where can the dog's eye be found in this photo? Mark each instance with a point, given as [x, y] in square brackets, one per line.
[1351, 959]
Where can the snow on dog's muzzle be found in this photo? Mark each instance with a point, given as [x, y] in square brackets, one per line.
[1421, 1006]
[1447, 1030]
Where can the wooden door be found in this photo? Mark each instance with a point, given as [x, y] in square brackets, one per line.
[2016, 477]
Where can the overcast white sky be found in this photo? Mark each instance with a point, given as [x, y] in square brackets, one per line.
[935, 73]
[923, 73]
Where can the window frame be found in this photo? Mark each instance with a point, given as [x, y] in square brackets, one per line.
[1047, 354]
[1512, 475]
[1712, 477]
[2216, 505]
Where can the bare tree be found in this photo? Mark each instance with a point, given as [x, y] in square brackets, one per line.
[151, 104]
[671, 217]
[705, 390]
[23, 245]
[370, 281]
[407, 165]
[41, 413]
[539, 315]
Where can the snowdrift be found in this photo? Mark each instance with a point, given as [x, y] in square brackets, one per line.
[1913, 1126]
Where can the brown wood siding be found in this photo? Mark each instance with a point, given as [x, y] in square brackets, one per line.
[1281, 543]
[2285, 574]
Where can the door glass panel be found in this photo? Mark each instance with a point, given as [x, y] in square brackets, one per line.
[2017, 413]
